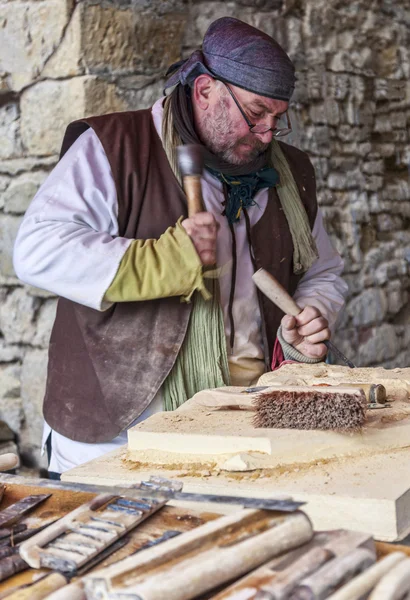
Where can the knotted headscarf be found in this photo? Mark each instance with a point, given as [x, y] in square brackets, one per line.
[242, 55]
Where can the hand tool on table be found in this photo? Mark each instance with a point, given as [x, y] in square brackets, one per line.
[363, 584]
[334, 573]
[395, 585]
[203, 558]
[76, 539]
[277, 294]
[16, 511]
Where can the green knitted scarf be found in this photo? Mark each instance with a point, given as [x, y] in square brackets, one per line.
[202, 361]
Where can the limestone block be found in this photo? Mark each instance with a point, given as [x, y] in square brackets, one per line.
[45, 320]
[390, 270]
[21, 191]
[48, 107]
[32, 30]
[368, 308]
[19, 166]
[9, 131]
[8, 231]
[10, 381]
[10, 352]
[373, 167]
[66, 60]
[373, 183]
[388, 222]
[124, 41]
[145, 97]
[398, 191]
[396, 297]
[389, 89]
[17, 316]
[33, 383]
[379, 345]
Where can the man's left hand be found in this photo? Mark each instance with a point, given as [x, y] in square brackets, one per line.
[306, 332]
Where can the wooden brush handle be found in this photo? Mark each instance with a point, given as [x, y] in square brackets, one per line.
[193, 191]
[275, 292]
[41, 588]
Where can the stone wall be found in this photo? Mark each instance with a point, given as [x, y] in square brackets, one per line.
[64, 59]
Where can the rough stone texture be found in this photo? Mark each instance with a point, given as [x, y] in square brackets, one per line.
[350, 112]
[48, 106]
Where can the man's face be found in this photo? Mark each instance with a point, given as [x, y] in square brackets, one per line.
[224, 130]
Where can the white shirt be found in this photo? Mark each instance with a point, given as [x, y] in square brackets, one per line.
[68, 244]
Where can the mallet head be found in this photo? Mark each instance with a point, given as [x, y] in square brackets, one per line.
[190, 159]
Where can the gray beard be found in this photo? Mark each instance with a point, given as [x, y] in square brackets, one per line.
[218, 135]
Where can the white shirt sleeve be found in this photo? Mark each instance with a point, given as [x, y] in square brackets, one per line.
[68, 240]
[322, 286]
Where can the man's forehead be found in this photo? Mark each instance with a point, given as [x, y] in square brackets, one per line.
[269, 104]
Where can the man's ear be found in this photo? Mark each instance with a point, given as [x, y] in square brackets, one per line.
[204, 87]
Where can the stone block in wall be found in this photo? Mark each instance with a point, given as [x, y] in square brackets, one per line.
[10, 146]
[45, 320]
[10, 380]
[389, 89]
[106, 38]
[17, 317]
[397, 297]
[145, 97]
[8, 231]
[31, 31]
[10, 352]
[33, 380]
[368, 308]
[10, 390]
[49, 106]
[387, 222]
[377, 345]
[21, 191]
[392, 269]
[398, 191]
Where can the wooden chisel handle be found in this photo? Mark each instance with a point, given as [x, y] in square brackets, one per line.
[40, 589]
[276, 292]
[279, 296]
[8, 461]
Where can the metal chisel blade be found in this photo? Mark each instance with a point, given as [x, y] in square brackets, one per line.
[259, 503]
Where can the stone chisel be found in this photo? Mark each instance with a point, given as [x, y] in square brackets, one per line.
[277, 294]
[172, 488]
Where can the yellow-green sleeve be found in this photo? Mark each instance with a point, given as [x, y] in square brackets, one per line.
[150, 269]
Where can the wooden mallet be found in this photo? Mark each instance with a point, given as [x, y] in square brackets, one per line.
[191, 164]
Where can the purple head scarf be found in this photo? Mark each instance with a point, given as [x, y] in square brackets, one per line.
[242, 55]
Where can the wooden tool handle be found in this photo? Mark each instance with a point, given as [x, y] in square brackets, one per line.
[360, 586]
[41, 588]
[193, 191]
[334, 573]
[395, 585]
[275, 292]
[8, 461]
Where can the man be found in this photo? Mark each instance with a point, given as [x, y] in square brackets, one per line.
[108, 233]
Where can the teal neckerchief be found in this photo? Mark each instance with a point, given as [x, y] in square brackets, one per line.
[242, 189]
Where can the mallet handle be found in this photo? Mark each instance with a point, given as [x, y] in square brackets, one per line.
[193, 191]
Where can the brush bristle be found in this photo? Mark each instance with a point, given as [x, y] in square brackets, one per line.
[280, 409]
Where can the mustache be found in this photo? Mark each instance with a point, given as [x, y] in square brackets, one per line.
[257, 145]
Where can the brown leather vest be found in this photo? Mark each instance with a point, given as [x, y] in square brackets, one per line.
[105, 367]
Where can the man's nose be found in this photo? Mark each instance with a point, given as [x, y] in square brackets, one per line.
[266, 137]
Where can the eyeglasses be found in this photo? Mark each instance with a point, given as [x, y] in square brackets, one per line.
[261, 127]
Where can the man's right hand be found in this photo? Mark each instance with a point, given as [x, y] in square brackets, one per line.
[202, 229]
